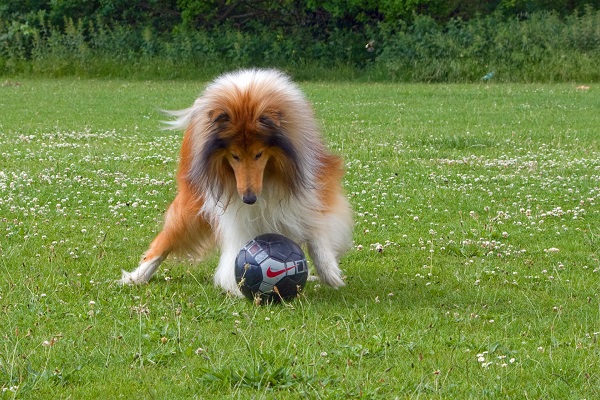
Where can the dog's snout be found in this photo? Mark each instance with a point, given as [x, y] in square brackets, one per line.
[249, 197]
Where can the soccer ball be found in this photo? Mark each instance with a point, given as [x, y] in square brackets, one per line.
[271, 268]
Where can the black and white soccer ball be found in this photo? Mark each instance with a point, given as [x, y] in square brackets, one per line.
[271, 268]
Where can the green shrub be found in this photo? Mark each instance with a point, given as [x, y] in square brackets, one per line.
[541, 47]
[537, 47]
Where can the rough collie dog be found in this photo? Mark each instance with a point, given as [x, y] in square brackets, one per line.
[252, 161]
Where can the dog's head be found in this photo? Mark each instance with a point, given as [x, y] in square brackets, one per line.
[247, 139]
[253, 145]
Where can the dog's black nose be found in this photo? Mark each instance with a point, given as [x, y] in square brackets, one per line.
[249, 197]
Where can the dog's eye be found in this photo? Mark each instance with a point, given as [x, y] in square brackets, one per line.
[235, 157]
[223, 117]
[256, 157]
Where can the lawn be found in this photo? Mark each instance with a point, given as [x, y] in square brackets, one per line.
[475, 271]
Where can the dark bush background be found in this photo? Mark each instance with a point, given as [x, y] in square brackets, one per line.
[409, 40]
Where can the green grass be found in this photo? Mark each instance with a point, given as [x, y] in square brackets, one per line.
[475, 271]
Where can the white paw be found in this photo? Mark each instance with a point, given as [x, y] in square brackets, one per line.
[142, 273]
[236, 292]
[130, 278]
[332, 277]
[229, 285]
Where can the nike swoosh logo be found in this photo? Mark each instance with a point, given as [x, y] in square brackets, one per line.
[273, 274]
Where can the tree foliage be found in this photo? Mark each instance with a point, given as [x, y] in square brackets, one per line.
[410, 40]
[166, 15]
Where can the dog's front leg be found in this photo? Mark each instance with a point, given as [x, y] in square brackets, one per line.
[185, 231]
[326, 263]
[225, 274]
[156, 254]
[330, 240]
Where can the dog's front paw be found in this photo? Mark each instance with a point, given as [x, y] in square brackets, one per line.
[142, 273]
[332, 277]
[130, 278]
[236, 293]
[229, 286]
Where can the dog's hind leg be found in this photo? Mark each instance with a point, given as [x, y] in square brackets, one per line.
[185, 231]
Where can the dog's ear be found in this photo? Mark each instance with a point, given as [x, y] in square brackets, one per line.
[271, 118]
